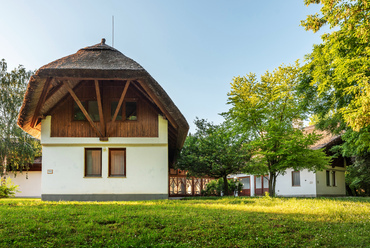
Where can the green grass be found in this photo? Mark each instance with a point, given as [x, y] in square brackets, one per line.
[196, 222]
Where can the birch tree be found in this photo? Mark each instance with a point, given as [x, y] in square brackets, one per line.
[17, 148]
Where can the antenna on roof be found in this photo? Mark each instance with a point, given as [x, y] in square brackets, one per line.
[112, 30]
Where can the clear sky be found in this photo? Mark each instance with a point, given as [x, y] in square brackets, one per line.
[193, 48]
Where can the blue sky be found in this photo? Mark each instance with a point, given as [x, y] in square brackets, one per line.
[192, 48]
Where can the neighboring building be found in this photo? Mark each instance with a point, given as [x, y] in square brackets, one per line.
[108, 130]
[29, 182]
[304, 183]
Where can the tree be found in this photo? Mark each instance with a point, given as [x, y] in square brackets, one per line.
[17, 148]
[335, 81]
[357, 147]
[269, 113]
[337, 71]
[214, 151]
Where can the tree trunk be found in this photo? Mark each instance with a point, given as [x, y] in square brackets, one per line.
[226, 186]
[272, 184]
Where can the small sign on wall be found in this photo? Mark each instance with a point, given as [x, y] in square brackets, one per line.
[50, 171]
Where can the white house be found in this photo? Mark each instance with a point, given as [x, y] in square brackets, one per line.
[108, 130]
[304, 183]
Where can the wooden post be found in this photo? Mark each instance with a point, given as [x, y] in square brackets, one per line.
[101, 115]
[69, 88]
[121, 101]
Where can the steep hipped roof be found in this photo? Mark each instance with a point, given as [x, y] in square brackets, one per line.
[95, 62]
[327, 139]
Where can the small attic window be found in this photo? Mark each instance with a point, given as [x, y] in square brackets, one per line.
[129, 112]
[91, 108]
[77, 113]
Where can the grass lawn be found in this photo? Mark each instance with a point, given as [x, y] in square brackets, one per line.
[195, 222]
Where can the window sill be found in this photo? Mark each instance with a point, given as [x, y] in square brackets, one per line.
[117, 177]
[92, 177]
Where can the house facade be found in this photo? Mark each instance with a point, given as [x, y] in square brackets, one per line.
[304, 183]
[108, 130]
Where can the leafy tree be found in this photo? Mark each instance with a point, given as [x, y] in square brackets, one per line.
[269, 113]
[17, 148]
[357, 146]
[337, 72]
[214, 151]
[335, 81]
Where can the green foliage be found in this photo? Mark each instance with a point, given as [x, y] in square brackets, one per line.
[335, 79]
[17, 148]
[269, 113]
[7, 188]
[337, 71]
[195, 222]
[214, 151]
[215, 187]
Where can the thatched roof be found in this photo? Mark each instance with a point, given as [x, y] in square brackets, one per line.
[327, 139]
[95, 62]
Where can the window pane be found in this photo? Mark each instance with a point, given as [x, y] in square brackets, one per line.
[258, 182]
[131, 111]
[327, 178]
[333, 177]
[113, 107]
[117, 162]
[265, 182]
[77, 113]
[296, 178]
[93, 110]
[93, 162]
[245, 182]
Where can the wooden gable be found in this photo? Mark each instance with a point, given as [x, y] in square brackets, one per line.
[63, 123]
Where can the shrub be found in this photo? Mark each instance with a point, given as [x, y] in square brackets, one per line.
[215, 187]
[7, 188]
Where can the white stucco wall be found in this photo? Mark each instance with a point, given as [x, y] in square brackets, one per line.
[146, 164]
[324, 190]
[251, 181]
[30, 187]
[307, 188]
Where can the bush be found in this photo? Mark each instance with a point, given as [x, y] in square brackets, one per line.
[215, 187]
[7, 188]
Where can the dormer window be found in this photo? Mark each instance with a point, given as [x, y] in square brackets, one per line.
[91, 108]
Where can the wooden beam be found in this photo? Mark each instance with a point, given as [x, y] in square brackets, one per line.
[120, 101]
[40, 102]
[52, 91]
[101, 115]
[69, 88]
[146, 97]
[142, 92]
[158, 103]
